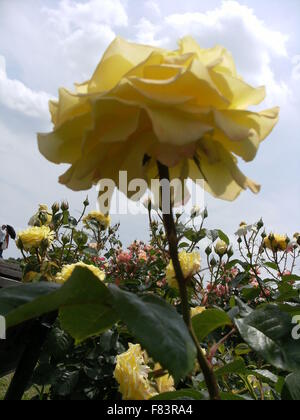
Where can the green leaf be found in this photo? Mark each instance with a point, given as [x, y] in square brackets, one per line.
[212, 234]
[58, 343]
[291, 389]
[231, 264]
[67, 383]
[266, 375]
[244, 309]
[250, 293]
[159, 328]
[290, 278]
[239, 279]
[191, 235]
[13, 297]
[271, 265]
[287, 293]
[292, 309]
[183, 245]
[183, 394]
[86, 320]
[242, 349]
[208, 321]
[223, 237]
[268, 331]
[84, 303]
[237, 367]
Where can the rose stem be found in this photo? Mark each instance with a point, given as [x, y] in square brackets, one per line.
[170, 228]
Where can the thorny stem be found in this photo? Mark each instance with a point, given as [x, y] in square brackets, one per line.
[254, 269]
[170, 228]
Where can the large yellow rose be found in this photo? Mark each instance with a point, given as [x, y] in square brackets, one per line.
[185, 108]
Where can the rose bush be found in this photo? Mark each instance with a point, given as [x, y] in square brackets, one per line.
[235, 293]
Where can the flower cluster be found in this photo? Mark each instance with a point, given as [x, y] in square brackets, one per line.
[141, 265]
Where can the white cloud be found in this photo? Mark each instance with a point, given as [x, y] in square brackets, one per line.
[253, 44]
[147, 33]
[17, 96]
[60, 43]
[84, 30]
[70, 16]
[152, 9]
[296, 67]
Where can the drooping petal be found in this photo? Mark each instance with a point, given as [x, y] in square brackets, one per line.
[220, 172]
[243, 130]
[64, 145]
[239, 94]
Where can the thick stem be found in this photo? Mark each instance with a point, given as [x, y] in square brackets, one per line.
[170, 228]
[27, 362]
[39, 329]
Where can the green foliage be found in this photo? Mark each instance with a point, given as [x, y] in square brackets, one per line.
[159, 329]
[209, 321]
[251, 297]
[269, 332]
[84, 372]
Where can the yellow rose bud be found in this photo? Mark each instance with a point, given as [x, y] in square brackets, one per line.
[42, 217]
[67, 271]
[221, 248]
[184, 108]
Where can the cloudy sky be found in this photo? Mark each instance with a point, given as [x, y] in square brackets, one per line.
[47, 44]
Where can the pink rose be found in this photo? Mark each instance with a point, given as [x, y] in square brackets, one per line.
[124, 257]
